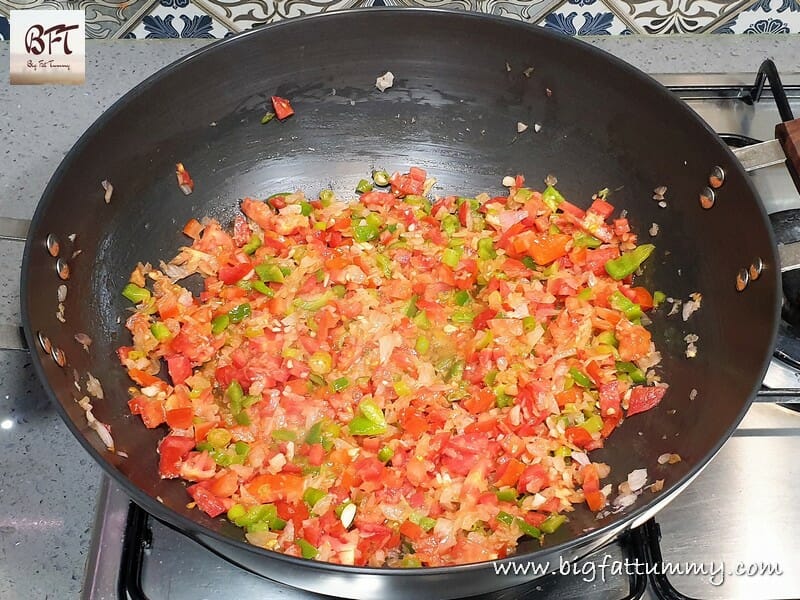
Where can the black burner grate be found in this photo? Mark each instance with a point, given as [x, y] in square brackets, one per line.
[640, 546]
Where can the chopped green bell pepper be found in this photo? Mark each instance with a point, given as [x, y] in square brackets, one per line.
[136, 294]
[629, 263]
[579, 378]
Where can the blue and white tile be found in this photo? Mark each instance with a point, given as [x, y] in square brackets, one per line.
[239, 15]
[4, 28]
[521, 10]
[177, 19]
[585, 17]
[104, 18]
[676, 16]
[765, 17]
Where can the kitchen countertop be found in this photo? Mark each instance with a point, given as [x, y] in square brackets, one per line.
[48, 484]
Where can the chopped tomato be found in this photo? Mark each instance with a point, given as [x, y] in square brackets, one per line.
[609, 398]
[602, 208]
[179, 368]
[411, 531]
[532, 479]
[511, 474]
[578, 436]
[268, 487]
[570, 208]
[414, 423]
[543, 248]
[571, 396]
[224, 485]
[596, 259]
[232, 274]
[479, 402]
[193, 229]
[172, 450]
[282, 107]
[179, 418]
[644, 398]
[151, 411]
[206, 501]
[640, 296]
[634, 341]
[406, 185]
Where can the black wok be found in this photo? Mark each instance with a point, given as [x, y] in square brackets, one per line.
[453, 110]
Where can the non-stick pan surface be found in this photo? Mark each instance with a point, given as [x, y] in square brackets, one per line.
[453, 110]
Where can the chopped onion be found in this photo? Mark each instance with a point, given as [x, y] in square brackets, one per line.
[509, 181]
[657, 486]
[537, 127]
[521, 127]
[276, 463]
[637, 479]
[348, 514]
[509, 218]
[387, 344]
[93, 386]
[664, 458]
[625, 501]
[62, 292]
[385, 81]
[690, 306]
[580, 458]
[693, 394]
[102, 430]
[653, 230]
[84, 340]
[109, 189]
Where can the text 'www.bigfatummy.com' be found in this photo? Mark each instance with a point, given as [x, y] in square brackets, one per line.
[591, 571]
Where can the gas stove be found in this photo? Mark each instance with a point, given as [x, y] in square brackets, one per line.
[733, 533]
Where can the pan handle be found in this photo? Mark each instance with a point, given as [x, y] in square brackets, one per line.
[785, 148]
[15, 230]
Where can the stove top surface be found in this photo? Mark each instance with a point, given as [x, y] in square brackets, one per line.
[736, 526]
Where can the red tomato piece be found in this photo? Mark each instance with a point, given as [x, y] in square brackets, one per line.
[179, 368]
[172, 450]
[602, 208]
[282, 107]
[512, 473]
[570, 208]
[206, 501]
[609, 399]
[224, 485]
[179, 418]
[644, 398]
[193, 229]
[578, 436]
[417, 174]
[532, 479]
[596, 259]
[411, 531]
[479, 402]
[235, 273]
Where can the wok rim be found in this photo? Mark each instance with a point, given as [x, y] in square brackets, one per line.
[192, 527]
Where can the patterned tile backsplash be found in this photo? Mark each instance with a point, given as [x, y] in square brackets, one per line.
[148, 19]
